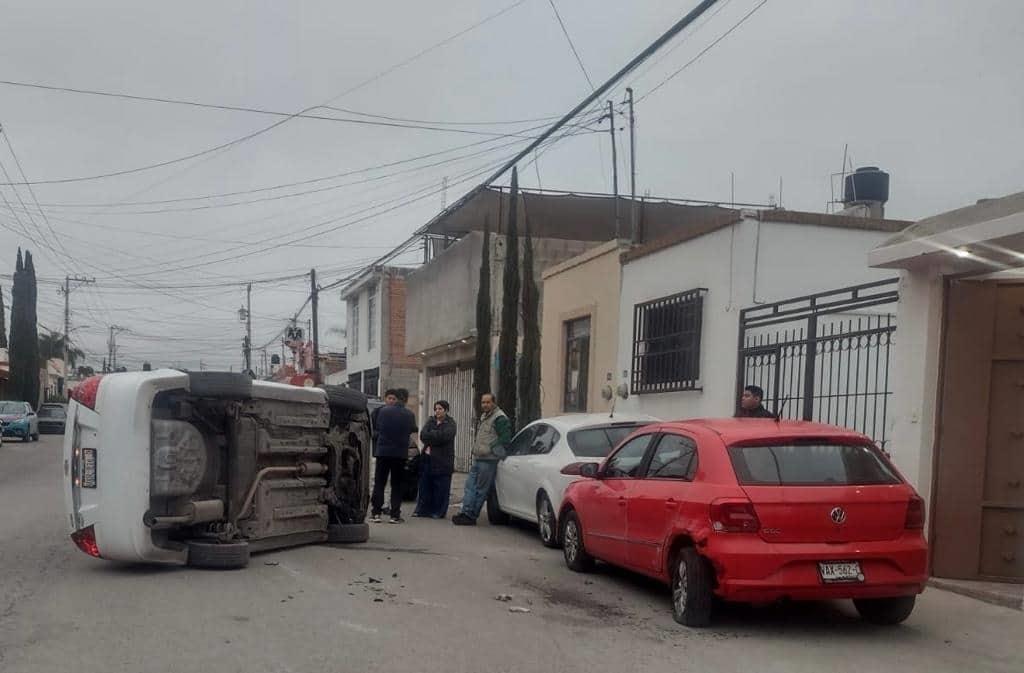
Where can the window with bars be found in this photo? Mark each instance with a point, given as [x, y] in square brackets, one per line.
[666, 343]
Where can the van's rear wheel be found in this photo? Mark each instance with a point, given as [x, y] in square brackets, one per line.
[218, 555]
[885, 611]
[220, 385]
[348, 533]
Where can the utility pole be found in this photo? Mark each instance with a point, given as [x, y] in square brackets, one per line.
[632, 169]
[78, 280]
[615, 171]
[247, 347]
[112, 346]
[315, 326]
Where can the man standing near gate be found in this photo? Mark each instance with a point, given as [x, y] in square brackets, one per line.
[751, 406]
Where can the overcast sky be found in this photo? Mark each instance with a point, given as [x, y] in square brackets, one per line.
[930, 91]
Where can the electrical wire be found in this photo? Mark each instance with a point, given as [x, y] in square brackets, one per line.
[259, 132]
[565, 31]
[701, 53]
[242, 108]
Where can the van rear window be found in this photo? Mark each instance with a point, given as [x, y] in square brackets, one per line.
[811, 464]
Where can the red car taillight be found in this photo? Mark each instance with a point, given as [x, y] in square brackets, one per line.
[85, 540]
[734, 517]
[86, 391]
[915, 513]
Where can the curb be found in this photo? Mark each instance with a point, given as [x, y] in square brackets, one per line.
[977, 593]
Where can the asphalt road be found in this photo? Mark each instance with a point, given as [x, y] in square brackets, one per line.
[433, 609]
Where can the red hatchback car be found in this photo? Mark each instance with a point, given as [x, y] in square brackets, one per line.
[752, 510]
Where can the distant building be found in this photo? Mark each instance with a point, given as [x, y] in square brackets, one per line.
[442, 294]
[377, 358]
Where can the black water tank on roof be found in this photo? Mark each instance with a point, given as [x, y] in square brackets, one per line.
[868, 183]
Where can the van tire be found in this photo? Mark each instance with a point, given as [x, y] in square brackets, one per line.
[220, 385]
[218, 555]
[348, 533]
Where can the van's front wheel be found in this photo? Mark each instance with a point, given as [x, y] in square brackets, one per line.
[218, 555]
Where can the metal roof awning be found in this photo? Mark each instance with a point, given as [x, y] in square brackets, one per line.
[983, 238]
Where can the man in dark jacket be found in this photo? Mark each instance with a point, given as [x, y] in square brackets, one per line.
[438, 437]
[750, 404]
[395, 424]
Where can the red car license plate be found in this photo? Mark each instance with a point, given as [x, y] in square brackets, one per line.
[845, 571]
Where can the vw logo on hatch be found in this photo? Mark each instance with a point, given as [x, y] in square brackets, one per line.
[838, 515]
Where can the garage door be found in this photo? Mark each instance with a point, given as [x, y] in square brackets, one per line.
[456, 386]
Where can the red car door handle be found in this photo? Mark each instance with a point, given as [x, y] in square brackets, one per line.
[622, 501]
[671, 502]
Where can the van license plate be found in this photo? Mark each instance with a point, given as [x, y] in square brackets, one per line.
[88, 468]
[840, 572]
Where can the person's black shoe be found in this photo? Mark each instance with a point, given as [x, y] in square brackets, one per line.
[462, 519]
[396, 519]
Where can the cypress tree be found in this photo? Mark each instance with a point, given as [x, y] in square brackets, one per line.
[529, 364]
[24, 344]
[482, 370]
[3, 321]
[508, 343]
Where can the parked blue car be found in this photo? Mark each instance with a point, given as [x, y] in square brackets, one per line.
[19, 420]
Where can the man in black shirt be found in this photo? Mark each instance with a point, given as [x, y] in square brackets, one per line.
[750, 404]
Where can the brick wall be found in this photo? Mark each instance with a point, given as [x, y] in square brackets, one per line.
[395, 324]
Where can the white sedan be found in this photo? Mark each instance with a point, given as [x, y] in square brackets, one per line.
[529, 484]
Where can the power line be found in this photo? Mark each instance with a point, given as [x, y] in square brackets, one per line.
[259, 132]
[326, 178]
[565, 31]
[308, 233]
[262, 111]
[701, 53]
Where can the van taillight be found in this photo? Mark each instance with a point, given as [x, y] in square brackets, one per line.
[85, 539]
[86, 391]
[736, 516]
[915, 513]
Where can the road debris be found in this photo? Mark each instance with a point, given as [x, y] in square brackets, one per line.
[518, 609]
[504, 598]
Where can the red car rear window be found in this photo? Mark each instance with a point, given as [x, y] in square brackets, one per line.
[811, 464]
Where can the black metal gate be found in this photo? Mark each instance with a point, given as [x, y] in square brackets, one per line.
[824, 357]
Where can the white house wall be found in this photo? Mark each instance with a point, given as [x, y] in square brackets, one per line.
[916, 376]
[791, 260]
[365, 358]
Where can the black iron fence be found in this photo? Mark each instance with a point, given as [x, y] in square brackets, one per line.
[825, 357]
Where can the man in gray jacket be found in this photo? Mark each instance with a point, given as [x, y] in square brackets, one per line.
[493, 434]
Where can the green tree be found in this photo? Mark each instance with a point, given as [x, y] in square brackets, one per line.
[529, 363]
[24, 344]
[482, 368]
[3, 321]
[51, 345]
[508, 342]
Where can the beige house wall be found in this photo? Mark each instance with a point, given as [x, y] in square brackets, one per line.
[586, 285]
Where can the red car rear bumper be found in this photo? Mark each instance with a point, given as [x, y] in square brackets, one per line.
[751, 570]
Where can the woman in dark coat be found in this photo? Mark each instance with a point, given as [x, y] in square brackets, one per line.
[438, 437]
